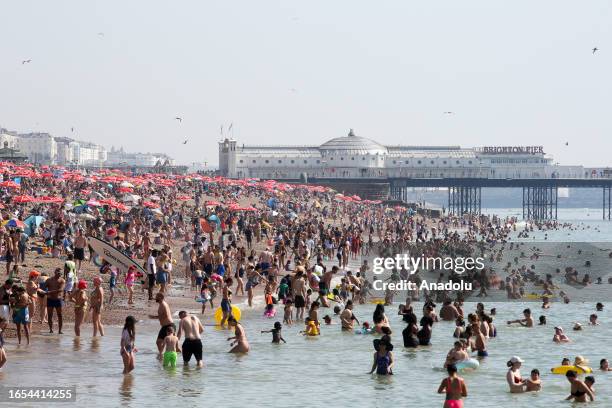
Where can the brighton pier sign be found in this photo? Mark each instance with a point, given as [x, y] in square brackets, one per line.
[513, 150]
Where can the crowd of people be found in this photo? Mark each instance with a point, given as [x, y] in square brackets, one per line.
[221, 239]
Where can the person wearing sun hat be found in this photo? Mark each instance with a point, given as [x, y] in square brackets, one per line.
[513, 377]
[582, 362]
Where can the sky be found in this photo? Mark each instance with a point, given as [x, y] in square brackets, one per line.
[302, 72]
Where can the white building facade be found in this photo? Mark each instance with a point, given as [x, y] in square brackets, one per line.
[354, 156]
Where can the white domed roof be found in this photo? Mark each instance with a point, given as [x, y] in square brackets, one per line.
[352, 145]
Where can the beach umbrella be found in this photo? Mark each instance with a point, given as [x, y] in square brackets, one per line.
[23, 199]
[15, 223]
[9, 184]
[183, 197]
[85, 216]
[126, 184]
[93, 203]
[125, 189]
[211, 203]
[150, 204]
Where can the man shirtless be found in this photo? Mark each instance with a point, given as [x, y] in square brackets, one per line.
[299, 294]
[165, 320]
[192, 327]
[456, 354]
[55, 290]
[80, 242]
[480, 343]
[527, 321]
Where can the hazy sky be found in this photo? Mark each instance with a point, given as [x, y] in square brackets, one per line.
[302, 72]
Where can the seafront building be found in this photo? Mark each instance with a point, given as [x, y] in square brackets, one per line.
[45, 149]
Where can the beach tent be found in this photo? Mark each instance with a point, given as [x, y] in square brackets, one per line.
[32, 223]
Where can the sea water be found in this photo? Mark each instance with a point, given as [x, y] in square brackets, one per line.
[328, 370]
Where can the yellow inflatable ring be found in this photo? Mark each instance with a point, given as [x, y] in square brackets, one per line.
[564, 369]
[219, 314]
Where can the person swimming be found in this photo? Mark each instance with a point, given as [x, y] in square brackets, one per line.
[276, 333]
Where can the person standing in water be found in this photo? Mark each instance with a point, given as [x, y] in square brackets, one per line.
[79, 297]
[579, 391]
[96, 301]
[55, 289]
[454, 387]
[513, 377]
[240, 343]
[128, 337]
[192, 327]
[164, 315]
[383, 356]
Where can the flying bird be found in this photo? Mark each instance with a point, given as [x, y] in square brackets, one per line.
[72, 129]
[179, 119]
[293, 90]
[567, 143]
[595, 49]
[449, 113]
[26, 61]
[100, 34]
[185, 142]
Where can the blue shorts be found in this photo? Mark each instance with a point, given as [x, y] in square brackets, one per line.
[54, 302]
[265, 266]
[221, 270]
[482, 353]
[226, 306]
[199, 280]
[21, 316]
[161, 277]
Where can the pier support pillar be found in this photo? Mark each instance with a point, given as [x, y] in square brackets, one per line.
[464, 200]
[540, 203]
[607, 199]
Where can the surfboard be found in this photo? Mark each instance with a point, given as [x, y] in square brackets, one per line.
[113, 256]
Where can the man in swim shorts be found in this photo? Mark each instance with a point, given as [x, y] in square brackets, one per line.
[192, 327]
[55, 289]
[165, 320]
[480, 344]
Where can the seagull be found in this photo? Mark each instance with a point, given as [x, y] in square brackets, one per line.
[185, 142]
[567, 143]
[72, 129]
[449, 113]
[179, 119]
[595, 49]
[101, 34]
[26, 61]
[293, 90]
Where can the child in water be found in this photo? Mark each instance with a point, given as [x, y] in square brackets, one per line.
[276, 333]
[270, 311]
[533, 382]
[171, 347]
[287, 319]
[205, 296]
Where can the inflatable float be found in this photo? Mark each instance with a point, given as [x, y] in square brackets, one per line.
[469, 364]
[219, 314]
[562, 370]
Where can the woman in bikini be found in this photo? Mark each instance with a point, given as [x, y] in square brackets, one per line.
[454, 387]
[513, 377]
[79, 297]
[579, 390]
